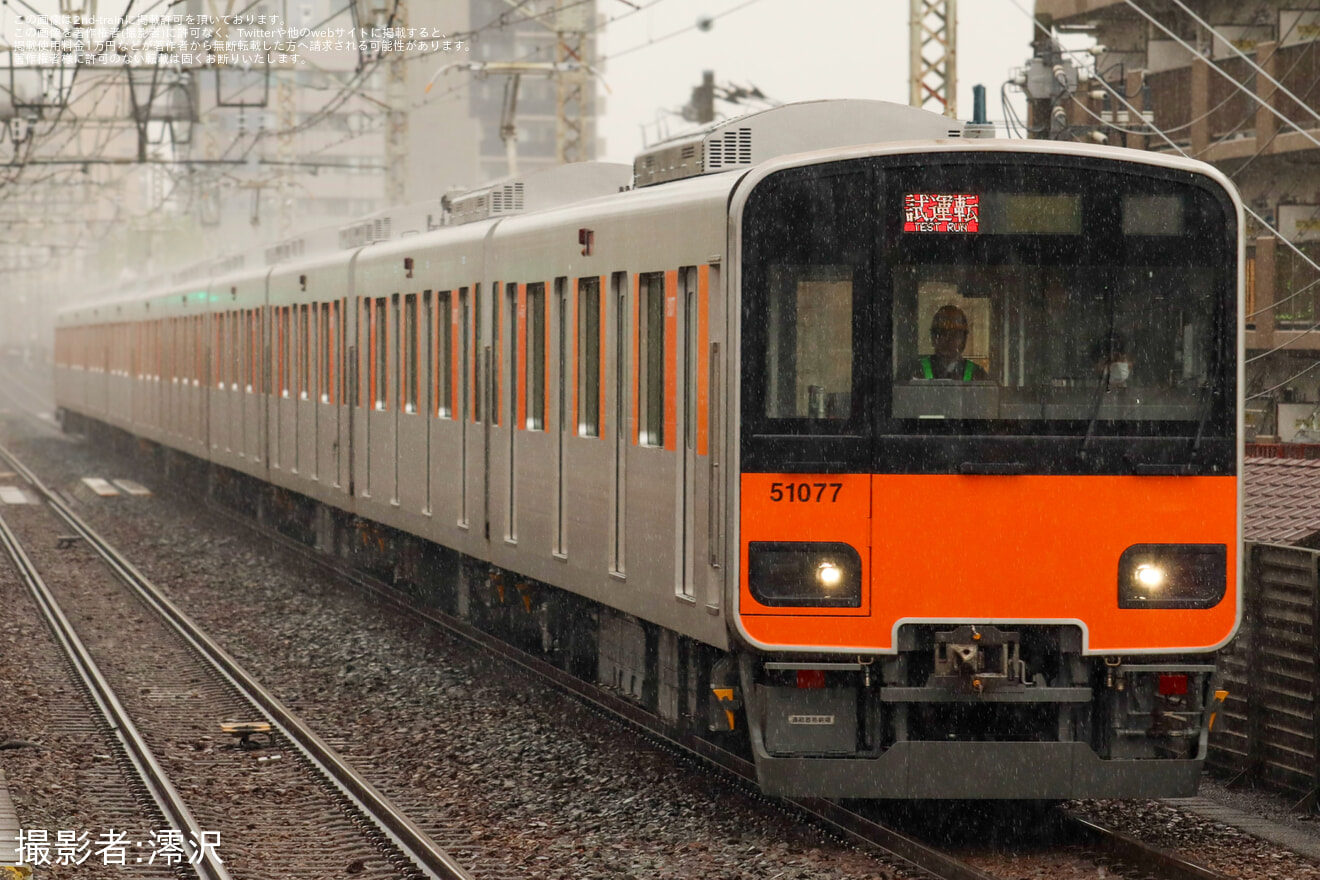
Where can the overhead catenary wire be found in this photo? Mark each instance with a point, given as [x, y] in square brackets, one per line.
[1174, 146]
[1228, 76]
[1122, 99]
[1260, 71]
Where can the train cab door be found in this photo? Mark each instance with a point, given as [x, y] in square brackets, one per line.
[689, 352]
[488, 399]
[707, 397]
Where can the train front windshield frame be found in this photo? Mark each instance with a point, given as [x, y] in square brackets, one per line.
[1092, 307]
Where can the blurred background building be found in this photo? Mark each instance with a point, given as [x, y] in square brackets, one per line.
[171, 161]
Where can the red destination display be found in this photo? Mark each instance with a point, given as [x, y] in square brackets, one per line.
[941, 212]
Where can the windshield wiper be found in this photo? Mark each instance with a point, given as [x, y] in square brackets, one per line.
[1101, 386]
[1202, 418]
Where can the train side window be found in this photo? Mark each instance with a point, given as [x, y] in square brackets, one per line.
[480, 367]
[536, 356]
[304, 352]
[426, 340]
[465, 342]
[408, 346]
[327, 349]
[218, 349]
[588, 350]
[338, 356]
[254, 348]
[809, 356]
[281, 326]
[395, 363]
[511, 294]
[691, 353]
[496, 348]
[366, 355]
[235, 349]
[651, 359]
[444, 364]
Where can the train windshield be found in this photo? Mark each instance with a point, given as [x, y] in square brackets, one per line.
[948, 309]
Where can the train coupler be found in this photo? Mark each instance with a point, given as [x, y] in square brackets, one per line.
[978, 660]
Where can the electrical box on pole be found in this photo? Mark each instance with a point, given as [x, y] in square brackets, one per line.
[701, 108]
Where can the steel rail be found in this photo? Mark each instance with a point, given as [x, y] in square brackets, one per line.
[153, 777]
[393, 822]
[847, 824]
[1143, 856]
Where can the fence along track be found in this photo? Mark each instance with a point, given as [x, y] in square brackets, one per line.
[393, 822]
[1269, 729]
[149, 771]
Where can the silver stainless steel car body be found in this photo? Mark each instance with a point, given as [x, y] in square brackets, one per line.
[390, 382]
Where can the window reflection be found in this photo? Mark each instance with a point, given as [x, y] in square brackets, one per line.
[809, 356]
[1055, 343]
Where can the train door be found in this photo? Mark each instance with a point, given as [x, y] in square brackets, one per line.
[279, 329]
[710, 436]
[343, 363]
[562, 423]
[687, 307]
[383, 414]
[464, 401]
[515, 307]
[487, 394]
[621, 422]
[260, 384]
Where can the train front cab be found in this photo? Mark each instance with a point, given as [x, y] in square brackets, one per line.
[1008, 583]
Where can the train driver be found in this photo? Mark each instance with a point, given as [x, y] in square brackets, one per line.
[1111, 360]
[948, 333]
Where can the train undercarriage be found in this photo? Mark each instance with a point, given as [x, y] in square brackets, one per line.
[980, 711]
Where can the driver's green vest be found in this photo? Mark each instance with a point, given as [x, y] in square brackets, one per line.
[928, 373]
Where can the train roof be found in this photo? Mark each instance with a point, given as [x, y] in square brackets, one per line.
[792, 128]
[766, 141]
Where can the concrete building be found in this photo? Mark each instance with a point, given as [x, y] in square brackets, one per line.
[1276, 167]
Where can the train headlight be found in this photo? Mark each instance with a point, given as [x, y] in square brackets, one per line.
[1149, 575]
[829, 574]
[1172, 575]
[805, 574]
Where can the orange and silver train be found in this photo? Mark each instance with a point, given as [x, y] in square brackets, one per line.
[910, 456]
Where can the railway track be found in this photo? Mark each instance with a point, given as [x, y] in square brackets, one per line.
[368, 824]
[1105, 847]
[1117, 853]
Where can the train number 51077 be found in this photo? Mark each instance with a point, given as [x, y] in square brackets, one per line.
[805, 492]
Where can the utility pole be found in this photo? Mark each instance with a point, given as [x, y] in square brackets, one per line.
[571, 81]
[509, 122]
[396, 97]
[933, 52]
[286, 103]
